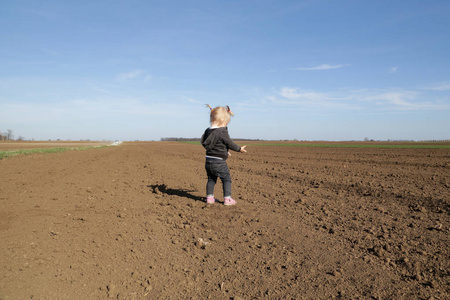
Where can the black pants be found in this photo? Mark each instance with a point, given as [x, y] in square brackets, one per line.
[216, 168]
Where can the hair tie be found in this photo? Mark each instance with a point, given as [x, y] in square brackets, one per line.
[229, 110]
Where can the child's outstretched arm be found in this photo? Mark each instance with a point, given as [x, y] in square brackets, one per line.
[242, 150]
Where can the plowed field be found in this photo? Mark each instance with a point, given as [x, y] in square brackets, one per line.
[130, 222]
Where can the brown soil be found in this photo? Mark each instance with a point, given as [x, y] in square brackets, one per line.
[130, 222]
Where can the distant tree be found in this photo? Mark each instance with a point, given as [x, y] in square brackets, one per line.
[9, 135]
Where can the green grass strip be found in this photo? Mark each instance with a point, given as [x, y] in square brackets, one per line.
[6, 154]
[191, 142]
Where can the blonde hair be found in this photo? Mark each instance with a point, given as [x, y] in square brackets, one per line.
[220, 115]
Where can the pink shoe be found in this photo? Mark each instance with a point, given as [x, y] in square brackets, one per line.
[210, 200]
[229, 201]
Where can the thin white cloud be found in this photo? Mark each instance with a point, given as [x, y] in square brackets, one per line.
[311, 99]
[102, 90]
[395, 100]
[401, 99]
[441, 86]
[295, 94]
[322, 67]
[192, 100]
[133, 75]
[148, 78]
[393, 69]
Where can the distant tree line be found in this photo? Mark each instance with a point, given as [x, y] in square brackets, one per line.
[9, 136]
[174, 139]
[180, 139]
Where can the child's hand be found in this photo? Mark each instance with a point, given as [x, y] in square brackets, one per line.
[243, 149]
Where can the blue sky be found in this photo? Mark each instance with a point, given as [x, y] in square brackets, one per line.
[306, 70]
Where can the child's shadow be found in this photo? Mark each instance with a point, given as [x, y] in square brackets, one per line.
[163, 189]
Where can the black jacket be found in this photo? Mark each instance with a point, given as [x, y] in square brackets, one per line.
[217, 142]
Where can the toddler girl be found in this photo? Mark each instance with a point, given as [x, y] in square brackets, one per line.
[217, 142]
